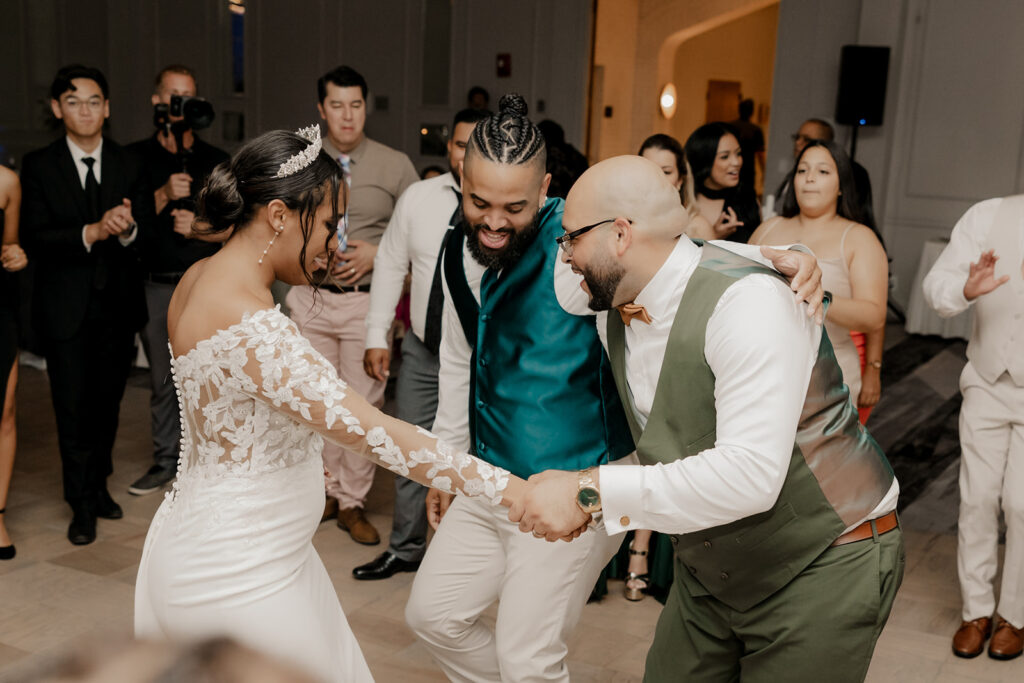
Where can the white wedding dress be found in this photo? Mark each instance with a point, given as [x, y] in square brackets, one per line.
[230, 550]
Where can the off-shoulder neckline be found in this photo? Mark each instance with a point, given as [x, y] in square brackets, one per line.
[246, 320]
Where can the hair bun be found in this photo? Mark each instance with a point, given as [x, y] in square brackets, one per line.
[512, 104]
[220, 204]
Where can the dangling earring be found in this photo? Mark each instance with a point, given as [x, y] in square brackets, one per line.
[270, 244]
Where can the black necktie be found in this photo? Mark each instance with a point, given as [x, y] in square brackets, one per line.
[92, 191]
[435, 302]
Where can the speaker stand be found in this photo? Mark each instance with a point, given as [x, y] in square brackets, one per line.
[853, 142]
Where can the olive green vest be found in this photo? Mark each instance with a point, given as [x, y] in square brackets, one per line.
[837, 474]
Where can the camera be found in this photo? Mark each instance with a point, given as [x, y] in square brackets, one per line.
[195, 113]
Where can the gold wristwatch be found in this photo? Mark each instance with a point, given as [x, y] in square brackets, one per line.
[588, 497]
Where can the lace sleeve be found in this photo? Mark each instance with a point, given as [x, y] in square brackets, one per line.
[277, 365]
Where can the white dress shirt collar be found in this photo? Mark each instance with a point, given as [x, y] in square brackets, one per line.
[449, 181]
[661, 295]
[77, 154]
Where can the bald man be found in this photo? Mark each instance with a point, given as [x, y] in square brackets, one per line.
[781, 507]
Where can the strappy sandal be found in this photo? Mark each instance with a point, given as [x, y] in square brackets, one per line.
[636, 594]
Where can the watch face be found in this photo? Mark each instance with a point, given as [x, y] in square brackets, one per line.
[588, 498]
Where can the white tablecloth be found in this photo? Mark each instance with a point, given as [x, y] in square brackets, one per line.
[921, 319]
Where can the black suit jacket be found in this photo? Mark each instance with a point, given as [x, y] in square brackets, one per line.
[68, 278]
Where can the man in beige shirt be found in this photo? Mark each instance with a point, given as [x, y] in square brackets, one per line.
[376, 175]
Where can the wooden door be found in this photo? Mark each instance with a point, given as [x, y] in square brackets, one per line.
[723, 101]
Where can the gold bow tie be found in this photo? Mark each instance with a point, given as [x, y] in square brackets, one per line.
[630, 311]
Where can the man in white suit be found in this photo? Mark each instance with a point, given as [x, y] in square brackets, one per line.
[982, 267]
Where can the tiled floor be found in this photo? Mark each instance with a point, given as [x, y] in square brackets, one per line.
[54, 594]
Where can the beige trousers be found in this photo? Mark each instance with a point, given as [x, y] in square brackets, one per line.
[334, 325]
[991, 468]
[476, 557]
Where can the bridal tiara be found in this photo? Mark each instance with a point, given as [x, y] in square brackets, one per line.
[299, 161]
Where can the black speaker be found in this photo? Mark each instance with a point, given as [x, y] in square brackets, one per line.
[863, 73]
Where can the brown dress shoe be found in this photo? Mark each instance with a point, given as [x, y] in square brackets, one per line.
[1007, 641]
[969, 640]
[330, 509]
[354, 521]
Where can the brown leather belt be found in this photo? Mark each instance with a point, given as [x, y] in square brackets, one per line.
[883, 524]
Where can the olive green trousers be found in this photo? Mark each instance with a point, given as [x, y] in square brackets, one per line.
[822, 626]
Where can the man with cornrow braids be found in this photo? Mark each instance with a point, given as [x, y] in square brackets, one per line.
[524, 384]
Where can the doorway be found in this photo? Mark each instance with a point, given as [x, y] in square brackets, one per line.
[722, 100]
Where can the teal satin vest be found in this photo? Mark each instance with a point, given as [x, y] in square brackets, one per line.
[543, 389]
[837, 473]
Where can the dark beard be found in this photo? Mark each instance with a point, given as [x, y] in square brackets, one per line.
[602, 283]
[518, 242]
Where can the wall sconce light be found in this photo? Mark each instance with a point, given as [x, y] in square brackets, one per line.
[667, 101]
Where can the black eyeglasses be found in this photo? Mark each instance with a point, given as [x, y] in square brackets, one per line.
[565, 241]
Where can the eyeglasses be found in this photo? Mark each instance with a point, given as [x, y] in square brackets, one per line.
[94, 104]
[799, 137]
[565, 241]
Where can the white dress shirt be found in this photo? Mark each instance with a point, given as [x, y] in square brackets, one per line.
[412, 239]
[77, 154]
[761, 381]
[452, 421]
[944, 284]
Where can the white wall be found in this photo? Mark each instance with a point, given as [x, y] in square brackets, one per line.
[289, 45]
[742, 50]
[954, 115]
[809, 36]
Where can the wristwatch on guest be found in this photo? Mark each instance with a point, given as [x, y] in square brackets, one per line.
[588, 497]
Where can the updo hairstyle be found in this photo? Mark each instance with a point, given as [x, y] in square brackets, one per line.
[236, 189]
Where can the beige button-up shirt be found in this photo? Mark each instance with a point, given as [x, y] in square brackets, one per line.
[380, 175]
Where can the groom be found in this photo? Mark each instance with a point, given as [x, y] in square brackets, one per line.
[520, 350]
[788, 551]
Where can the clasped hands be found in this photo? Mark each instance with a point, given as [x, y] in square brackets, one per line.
[116, 222]
[12, 257]
[546, 508]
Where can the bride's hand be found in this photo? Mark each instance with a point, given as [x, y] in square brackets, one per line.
[437, 505]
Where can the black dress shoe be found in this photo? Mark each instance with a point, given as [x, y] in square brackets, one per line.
[82, 530]
[106, 508]
[385, 566]
[7, 552]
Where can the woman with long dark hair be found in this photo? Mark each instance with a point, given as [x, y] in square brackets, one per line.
[730, 208]
[820, 209]
[13, 259]
[230, 550]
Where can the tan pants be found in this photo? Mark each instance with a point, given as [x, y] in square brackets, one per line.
[335, 326]
[991, 467]
[476, 557]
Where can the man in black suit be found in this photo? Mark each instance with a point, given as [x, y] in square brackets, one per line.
[167, 251]
[83, 197]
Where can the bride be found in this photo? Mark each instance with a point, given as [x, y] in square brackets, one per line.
[230, 550]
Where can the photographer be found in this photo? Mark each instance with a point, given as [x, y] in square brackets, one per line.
[177, 163]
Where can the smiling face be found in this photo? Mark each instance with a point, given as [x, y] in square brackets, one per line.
[83, 109]
[592, 258]
[666, 160]
[500, 204]
[323, 240]
[725, 171]
[344, 110]
[816, 182]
